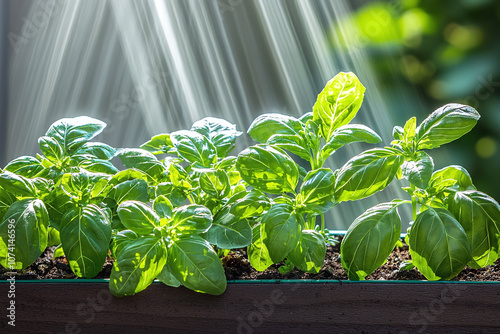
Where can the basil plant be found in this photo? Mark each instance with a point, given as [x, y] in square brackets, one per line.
[453, 225]
[60, 198]
[297, 196]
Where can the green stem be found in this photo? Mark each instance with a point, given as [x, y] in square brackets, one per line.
[322, 222]
[311, 223]
[413, 204]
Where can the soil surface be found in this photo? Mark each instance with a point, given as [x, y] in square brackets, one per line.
[238, 267]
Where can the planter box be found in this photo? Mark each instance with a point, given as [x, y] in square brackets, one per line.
[86, 306]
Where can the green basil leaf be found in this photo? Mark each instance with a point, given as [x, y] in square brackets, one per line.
[85, 236]
[351, 133]
[229, 231]
[25, 166]
[6, 200]
[176, 196]
[98, 166]
[220, 132]
[292, 143]
[266, 125]
[316, 193]
[281, 231]
[268, 169]
[252, 205]
[75, 184]
[215, 183]
[195, 265]
[58, 252]
[122, 239]
[191, 219]
[166, 277]
[130, 190]
[143, 161]
[418, 171]
[99, 150]
[139, 263]
[138, 217]
[16, 184]
[445, 125]
[448, 177]
[54, 237]
[72, 133]
[50, 148]
[310, 252]
[312, 136]
[338, 103]
[479, 215]
[194, 147]
[159, 144]
[163, 207]
[367, 173]
[370, 240]
[29, 221]
[438, 245]
[398, 133]
[258, 254]
[308, 116]
[127, 175]
[409, 130]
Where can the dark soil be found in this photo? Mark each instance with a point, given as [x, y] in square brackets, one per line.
[238, 267]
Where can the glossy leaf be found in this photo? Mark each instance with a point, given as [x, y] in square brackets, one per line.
[292, 143]
[72, 133]
[229, 231]
[138, 217]
[16, 184]
[370, 240]
[215, 183]
[258, 254]
[445, 125]
[438, 245]
[50, 148]
[367, 173]
[163, 207]
[348, 134]
[99, 150]
[267, 125]
[220, 132]
[166, 277]
[29, 221]
[193, 262]
[338, 103]
[158, 144]
[479, 215]
[448, 177]
[194, 147]
[191, 219]
[317, 190]
[138, 264]
[268, 169]
[418, 171]
[281, 231]
[130, 190]
[122, 239]
[85, 236]
[409, 130]
[25, 166]
[310, 252]
[143, 161]
[252, 205]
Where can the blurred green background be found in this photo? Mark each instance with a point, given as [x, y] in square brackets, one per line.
[429, 53]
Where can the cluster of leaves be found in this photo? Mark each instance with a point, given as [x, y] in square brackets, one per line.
[453, 223]
[183, 202]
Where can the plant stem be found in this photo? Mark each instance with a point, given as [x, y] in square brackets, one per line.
[311, 223]
[322, 222]
[413, 204]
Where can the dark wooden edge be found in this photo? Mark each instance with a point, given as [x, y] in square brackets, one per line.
[257, 308]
